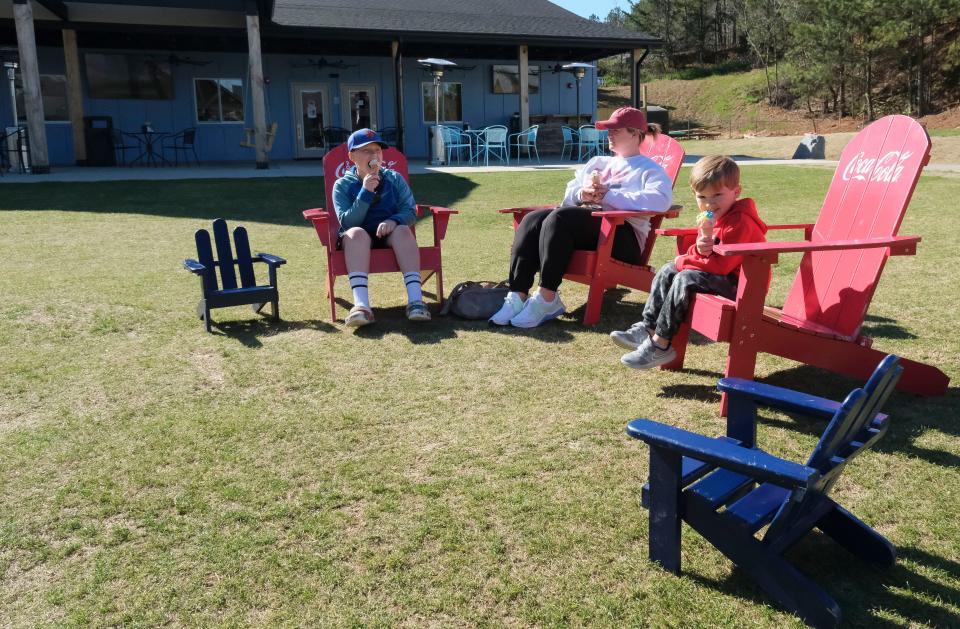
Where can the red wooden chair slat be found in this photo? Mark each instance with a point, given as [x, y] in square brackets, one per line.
[598, 269]
[843, 257]
[335, 164]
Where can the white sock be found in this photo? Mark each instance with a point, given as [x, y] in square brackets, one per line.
[414, 287]
[358, 284]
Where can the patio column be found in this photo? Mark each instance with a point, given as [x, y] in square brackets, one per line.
[256, 86]
[639, 54]
[74, 94]
[398, 90]
[524, 87]
[32, 98]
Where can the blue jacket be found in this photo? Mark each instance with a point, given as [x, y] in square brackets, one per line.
[355, 206]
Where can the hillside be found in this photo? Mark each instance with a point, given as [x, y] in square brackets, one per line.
[729, 102]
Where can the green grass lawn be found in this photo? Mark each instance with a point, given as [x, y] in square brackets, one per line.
[446, 474]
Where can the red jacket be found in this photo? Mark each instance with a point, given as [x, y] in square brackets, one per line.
[740, 224]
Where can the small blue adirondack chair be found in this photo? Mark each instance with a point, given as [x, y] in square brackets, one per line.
[727, 489]
[231, 295]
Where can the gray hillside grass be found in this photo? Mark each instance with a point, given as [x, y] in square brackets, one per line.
[446, 474]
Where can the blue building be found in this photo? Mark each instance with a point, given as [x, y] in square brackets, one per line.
[297, 67]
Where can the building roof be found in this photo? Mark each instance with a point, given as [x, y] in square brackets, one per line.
[536, 21]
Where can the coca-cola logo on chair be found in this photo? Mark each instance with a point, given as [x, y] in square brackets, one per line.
[346, 164]
[886, 169]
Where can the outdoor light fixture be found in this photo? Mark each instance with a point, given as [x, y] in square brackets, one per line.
[436, 67]
[578, 69]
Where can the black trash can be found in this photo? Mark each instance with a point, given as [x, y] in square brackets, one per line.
[515, 123]
[660, 116]
[98, 135]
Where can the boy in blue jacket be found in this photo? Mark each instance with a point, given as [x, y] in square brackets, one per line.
[375, 208]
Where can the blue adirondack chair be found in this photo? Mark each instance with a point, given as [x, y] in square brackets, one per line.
[727, 489]
[230, 294]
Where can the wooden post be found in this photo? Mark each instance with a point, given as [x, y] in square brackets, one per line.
[637, 57]
[398, 90]
[524, 68]
[256, 86]
[32, 98]
[74, 94]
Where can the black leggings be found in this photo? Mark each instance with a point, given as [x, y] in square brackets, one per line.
[546, 239]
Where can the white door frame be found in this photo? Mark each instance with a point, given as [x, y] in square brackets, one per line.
[345, 112]
[296, 89]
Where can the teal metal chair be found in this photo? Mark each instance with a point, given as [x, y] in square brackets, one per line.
[493, 140]
[589, 142]
[526, 139]
[455, 140]
[570, 139]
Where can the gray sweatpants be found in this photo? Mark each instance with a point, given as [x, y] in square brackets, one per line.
[672, 292]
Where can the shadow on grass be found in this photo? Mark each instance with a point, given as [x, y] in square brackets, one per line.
[249, 332]
[861, 591]
[884, 328]
[279, 200]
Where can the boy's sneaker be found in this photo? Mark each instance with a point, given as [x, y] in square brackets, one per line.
[417, 311]
[359, 316]
[631, 338]
[537, 310]
[512, 305]
[648, 356]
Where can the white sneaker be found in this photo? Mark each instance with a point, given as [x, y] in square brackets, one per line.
[537, 311]
[512, 305]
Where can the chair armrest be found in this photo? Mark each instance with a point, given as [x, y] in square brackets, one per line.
[440, 217]
[269, 258]
[788, 400]
[672, 212]
[320, 218]
[758, 464]
[193, 266]
[899, 245]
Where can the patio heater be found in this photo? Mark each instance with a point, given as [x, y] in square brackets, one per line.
[578, 69]
[11, 68]
[436, 67]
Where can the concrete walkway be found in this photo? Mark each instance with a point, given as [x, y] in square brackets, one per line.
[313, 168]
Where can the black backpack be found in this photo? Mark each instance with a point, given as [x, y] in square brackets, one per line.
[475, 300]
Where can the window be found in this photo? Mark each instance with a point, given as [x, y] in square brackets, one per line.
[451, 109]
[128, 76]
[219, 100]
[54, 90]
[506, 79]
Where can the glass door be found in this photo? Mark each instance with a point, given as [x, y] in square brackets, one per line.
[311, 115]
[359, 103]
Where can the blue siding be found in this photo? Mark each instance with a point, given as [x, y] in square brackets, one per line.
[221, 141]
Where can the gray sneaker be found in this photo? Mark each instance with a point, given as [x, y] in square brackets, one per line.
[648, 356]
[631, 338]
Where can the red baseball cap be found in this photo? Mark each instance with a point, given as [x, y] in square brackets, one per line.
[623, 118]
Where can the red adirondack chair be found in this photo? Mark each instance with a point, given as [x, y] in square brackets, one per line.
[844, 255]
[335, 163]
[596, 268]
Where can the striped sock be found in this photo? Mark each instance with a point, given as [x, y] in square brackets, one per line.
[414, 291]
[358, 284]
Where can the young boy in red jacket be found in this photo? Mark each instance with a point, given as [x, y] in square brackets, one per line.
[724, 219]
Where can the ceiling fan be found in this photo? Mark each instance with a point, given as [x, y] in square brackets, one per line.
[177, 60]
[322, 63]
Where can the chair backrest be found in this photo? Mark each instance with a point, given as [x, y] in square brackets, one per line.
[532, 134]
[225, 259]
[450, 135]
[495, 134]
[567, 133]
[337, 162]
[868, 196]
[847, 435]
[589, 135]
[665, 151]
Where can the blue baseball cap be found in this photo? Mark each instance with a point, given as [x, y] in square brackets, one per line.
[363, 137]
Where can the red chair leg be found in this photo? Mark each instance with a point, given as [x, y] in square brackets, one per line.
[594, 301]
[440, 296]
[333, 302]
